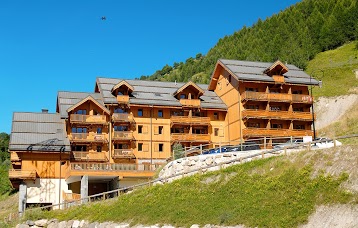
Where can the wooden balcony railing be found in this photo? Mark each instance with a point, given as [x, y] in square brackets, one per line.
[88, 119]
[22, 174]
[190, 102]
[122, 135]
[193, 120]
[284, 115]
[190, 137]
[123, 153]
[89, 156]
[122, 117]
[111, 167]
[123, 99]
[88, 137]
[69, 197]
[278, 97]
[273, 132]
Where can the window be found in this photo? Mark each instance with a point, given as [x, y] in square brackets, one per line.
[275, 108]
[140, 129]
[216, 131]
[119, 93]
[254, 125]
[216, 116]
[140, 112]
[160, 147]
[79, 130]
[297, 92]
[182, 96]
[298, 109]
[160, 130]
[278, 126]
[160, 113]
[299, 126]
[99, 149]
[251, 89]
[79, 148]
[120, 128]
[99, 130]
[81, 112]
[140, 146]
[253, 107]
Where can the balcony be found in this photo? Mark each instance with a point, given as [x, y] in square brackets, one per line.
[87, 137]
[187, 120]
[273, 132]
[22, 174]
[89, 156]
[112, 169]
[88, 119]
[180, 137]
[284, 115]
[276, 97]
[123, 99]
[122, 117]
[123, 153]
[190, 103]
[122, 136]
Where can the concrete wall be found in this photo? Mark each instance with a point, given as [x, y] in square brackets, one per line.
[45, 191]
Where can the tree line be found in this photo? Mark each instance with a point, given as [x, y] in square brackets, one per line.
[294, 35]
[5, 185]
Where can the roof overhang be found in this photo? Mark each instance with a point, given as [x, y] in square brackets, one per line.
[88, 98]
[190, 83]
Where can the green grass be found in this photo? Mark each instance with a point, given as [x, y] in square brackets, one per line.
[336, 70]
[270, 192]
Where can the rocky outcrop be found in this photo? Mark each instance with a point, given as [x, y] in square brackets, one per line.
[205, 163]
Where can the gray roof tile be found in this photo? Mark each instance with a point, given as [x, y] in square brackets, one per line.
[38, 132]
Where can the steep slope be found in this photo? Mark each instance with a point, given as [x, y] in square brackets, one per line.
[294, 35]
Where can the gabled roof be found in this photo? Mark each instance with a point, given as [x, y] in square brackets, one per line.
[65, 100]
[255, 71]
[121, 83]
[156, 93]
[190, 83]
[277, 65]
[89, 98]
[38, 132]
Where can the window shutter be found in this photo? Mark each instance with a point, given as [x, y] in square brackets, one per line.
[221, 132]
[145, 147]
[156, 130]
[156, 147]
[145, 129]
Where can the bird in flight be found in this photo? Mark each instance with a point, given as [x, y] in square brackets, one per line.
[103, 18]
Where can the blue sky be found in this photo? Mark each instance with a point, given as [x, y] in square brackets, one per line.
[49, 46]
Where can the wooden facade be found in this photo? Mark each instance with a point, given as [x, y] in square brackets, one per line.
[117, 132]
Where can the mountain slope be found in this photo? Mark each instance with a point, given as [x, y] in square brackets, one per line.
[294, 35]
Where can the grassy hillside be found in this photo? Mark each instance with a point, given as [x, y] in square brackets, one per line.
[274, 192]
[336, 68]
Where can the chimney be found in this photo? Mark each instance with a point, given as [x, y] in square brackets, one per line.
[44, 110]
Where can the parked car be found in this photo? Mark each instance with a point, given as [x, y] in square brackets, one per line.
[288, 143]
[245, 147]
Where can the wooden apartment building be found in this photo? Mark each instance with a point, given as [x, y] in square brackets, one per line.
[125, 129]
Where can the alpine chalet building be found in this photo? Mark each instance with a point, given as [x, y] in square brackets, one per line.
[124, 130]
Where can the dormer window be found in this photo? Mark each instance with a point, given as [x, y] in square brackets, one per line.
[119, 93]
[182, 96]
[119, 110]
